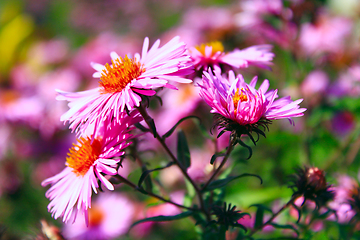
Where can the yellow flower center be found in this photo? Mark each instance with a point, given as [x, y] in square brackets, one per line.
[216, 47]
[96, 216]
[83, 155]
[239, 97]
[120, 73]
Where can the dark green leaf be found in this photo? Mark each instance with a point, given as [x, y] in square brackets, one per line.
[146, 172]
[265, 208]
[247, 147]
[216, 155]
[286, 226]
[147, 179]
[168, 133]
[152, 127]
[162, 218]
[259, 216]
[222, 182]
[183, 152]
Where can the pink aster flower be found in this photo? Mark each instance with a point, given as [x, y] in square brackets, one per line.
[213, 55]
[124, 81]
[87, 161]
[240, 106]
[110, 216]
[345, 191]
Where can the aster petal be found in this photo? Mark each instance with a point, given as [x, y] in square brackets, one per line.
[97, 66]
[104, 181]
[114, 56]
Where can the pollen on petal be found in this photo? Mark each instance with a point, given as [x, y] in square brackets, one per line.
[239, 97]
[120, 73]
[83, 155]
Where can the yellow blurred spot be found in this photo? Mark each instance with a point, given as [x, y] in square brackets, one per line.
[216, 46]
[11, 35]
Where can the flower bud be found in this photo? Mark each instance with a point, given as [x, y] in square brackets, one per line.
[311, 183]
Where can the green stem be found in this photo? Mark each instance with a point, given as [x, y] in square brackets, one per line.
[227, 154]
[148, 120]
[132, 185]
[290, 202]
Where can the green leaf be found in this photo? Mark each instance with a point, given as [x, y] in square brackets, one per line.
[183, 152]
[146, 172]
[168, 133]
[162, 218]
[222, 182]
[148, 182]
[259, 215]
[215, 156]
[286, 226]
[152, 127]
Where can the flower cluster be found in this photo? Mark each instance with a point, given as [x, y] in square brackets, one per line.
[104, 117]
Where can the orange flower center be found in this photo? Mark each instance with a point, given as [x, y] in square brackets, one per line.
[239, 97]
[83, 155]
[9, 96]
[96, 216]
[120, 73]
[216, 47]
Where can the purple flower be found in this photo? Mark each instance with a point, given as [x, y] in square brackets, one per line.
[87, 161]
[124, 81]
[240, 105]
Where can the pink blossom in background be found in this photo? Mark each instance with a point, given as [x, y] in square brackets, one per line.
[165, 209]
[50, 52]
[261, 7]
[109, 217]
[213, 55]
[328, 34]
[342, 195]
[242, 103]
[211, 18]
[252, 12]
[176, 105]
[314, 87]
[120, 89]
[251, 21]
[316, 225]
[34, 103]
[17, 108]
[316, 82]
[67, 79]
[97, 50]
[71, 189]
[347, 84]
[200, 168]
[41, 58]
